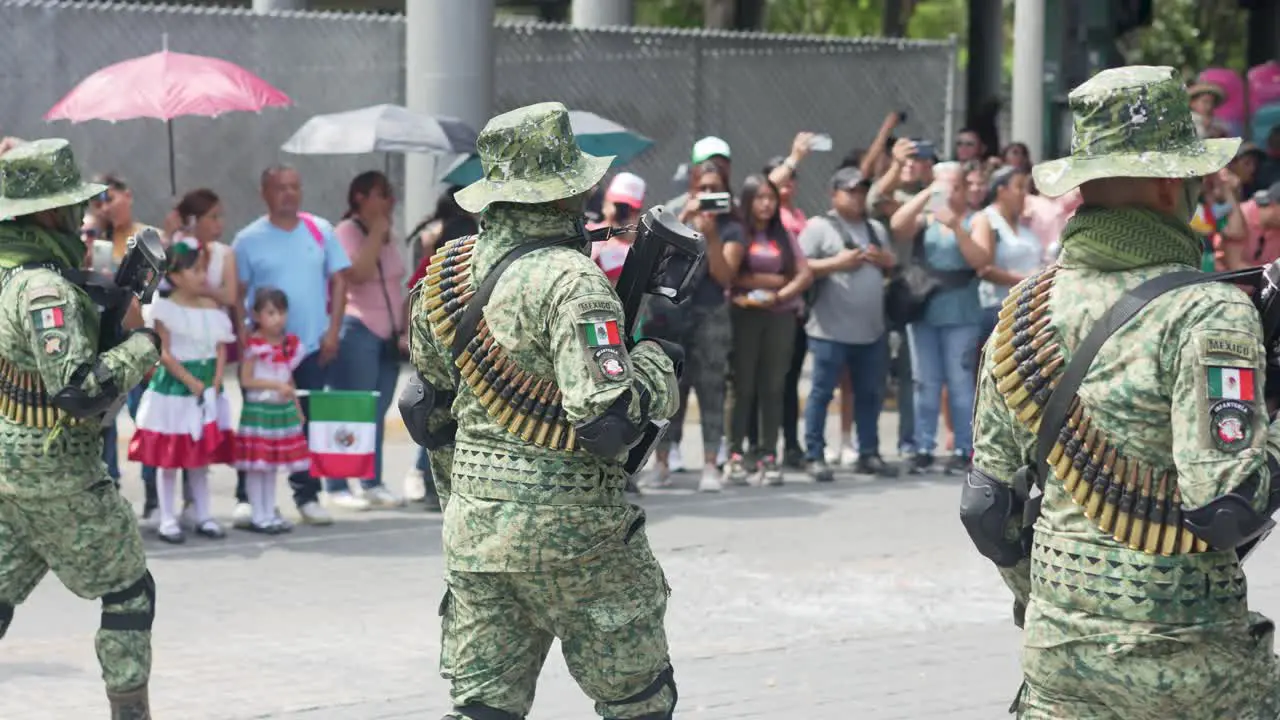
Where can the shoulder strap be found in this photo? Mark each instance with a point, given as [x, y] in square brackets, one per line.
[312, 228]
[871, 233]
[841, 230]
[1055, 410]
[475, 306]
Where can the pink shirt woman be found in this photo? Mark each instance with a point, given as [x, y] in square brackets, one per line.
[373, 326]
[379, 300]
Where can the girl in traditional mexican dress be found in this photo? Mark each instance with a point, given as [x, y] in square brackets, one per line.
[184, 420]
[270, 438]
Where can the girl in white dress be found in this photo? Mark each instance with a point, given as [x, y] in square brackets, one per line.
[184, 420]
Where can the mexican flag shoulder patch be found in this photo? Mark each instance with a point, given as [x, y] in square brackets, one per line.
[1230, 383]
[601, 333]
[48, 318]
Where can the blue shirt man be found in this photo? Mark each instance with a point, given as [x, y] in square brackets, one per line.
[297, 263]
[300, 256]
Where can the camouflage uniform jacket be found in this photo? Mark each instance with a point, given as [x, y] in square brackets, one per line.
[1150, 391]
[509, 505]
[49, 330]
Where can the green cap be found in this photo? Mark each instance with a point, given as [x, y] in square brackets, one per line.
[530, 156]
[1132, 122]
[707, 148]
[41, 175]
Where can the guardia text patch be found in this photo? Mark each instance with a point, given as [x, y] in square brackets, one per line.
[48, 318]
[54, 343]
[1230, 383]
[1231, 425]
[608, 363]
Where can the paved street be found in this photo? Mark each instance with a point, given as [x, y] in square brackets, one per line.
[860, 599]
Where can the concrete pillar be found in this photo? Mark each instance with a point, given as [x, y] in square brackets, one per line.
[449, 56]
[266, 6]
[1028, 76]
[603, 13]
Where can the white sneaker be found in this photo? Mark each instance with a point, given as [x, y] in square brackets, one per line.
[150, 520]
[345, 500]
[242, 516]
[675, 461]
[848, 456]
[735, 471]
[313, 514]
[832, 455]
[658, 477]
[710, 481]
[415, 486]
[381, 497]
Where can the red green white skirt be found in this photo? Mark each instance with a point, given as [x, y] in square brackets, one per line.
[176, 430]
[270, 439]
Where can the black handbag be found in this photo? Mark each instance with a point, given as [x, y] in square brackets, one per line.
[914, 283]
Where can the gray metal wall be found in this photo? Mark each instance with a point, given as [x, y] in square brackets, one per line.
[674, 86]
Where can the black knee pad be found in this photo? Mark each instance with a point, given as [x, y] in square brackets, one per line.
[6, 617]
[480, 711]
[139, 621]
[665, 678]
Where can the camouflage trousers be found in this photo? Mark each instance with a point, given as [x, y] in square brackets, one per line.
[91, 543]
[1213, 672]
[607, 611]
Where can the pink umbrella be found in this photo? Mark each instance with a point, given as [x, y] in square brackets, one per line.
[167, 85]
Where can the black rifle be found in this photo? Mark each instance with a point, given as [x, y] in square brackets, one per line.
[665, 260]
[138, 276]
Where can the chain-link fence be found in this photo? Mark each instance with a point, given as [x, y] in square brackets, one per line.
[754, 90]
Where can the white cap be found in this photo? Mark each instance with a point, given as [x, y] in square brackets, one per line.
[627, 189]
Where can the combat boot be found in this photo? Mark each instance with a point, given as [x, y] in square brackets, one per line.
[130, 705]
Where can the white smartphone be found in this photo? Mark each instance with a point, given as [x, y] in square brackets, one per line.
[820, 143]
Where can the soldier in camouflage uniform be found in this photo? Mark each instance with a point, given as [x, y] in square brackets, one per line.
[539, 539]
[1132, 599]
[59, 510]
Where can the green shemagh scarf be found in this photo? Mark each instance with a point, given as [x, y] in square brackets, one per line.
[23, 241]
[505, 226]
[1127, 238]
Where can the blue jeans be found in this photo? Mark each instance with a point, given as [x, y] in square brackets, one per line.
[111, 450]
[867, 365]
[944, 355]
[363, 364]
[309, 375]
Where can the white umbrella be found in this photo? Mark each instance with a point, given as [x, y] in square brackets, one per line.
[381, 128]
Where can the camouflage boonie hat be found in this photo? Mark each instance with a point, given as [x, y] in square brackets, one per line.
[41, 175]
[530, 156]
[1132, 122]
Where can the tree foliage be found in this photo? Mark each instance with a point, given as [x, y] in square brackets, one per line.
[1190, 35]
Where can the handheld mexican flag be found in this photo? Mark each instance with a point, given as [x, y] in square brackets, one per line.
[341, 432]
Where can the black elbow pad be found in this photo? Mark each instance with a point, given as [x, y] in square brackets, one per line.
[986, 506]
[76, 402]
[612, 432]
[1229, 521]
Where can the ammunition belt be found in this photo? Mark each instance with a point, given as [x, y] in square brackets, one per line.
[1123, 498]
[528, 407]
[24, 401]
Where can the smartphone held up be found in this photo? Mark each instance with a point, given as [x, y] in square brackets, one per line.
[715, 203]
